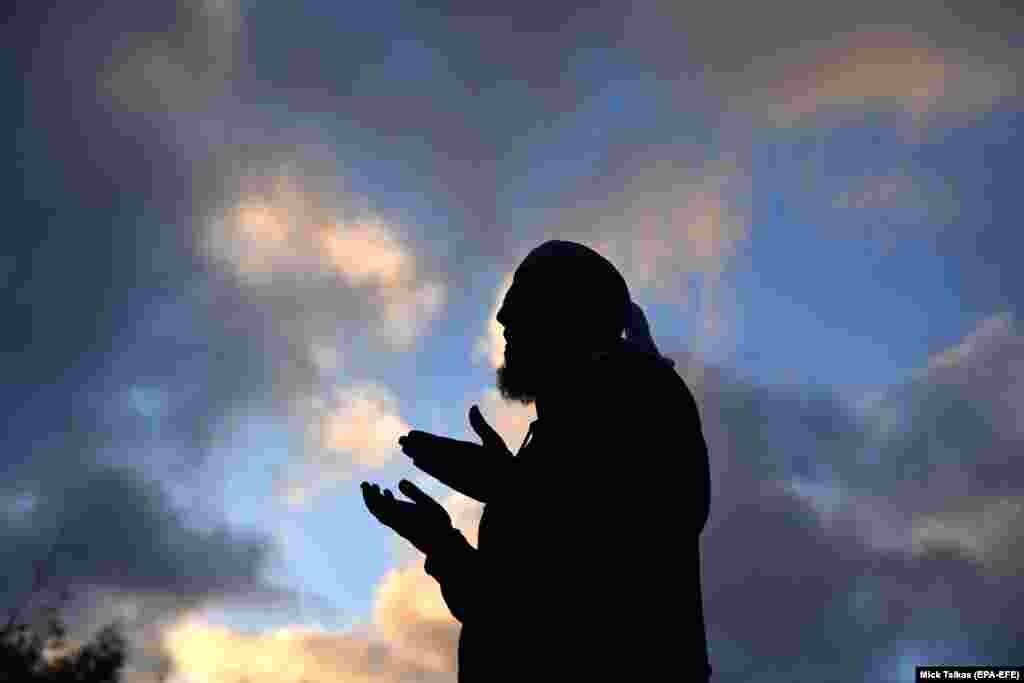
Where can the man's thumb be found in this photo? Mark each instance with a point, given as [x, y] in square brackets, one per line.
[486, 432]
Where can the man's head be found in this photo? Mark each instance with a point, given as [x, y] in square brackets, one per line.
[566, 301]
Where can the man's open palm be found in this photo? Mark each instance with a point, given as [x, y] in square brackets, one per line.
[422, 522]
[471, 469]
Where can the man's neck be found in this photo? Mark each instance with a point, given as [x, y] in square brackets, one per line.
[561, 393]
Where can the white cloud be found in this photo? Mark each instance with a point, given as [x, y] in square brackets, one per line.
[358, 429]
[989, 334]
[491, 345]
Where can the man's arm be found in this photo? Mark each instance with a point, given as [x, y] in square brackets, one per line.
[477, 474]
[458, 569]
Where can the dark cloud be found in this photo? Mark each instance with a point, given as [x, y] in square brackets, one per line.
[117, 528]
[979, 249]
[113, 537]
[801, 582]
[99, 199]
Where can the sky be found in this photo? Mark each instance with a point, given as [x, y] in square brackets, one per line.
[248, 245]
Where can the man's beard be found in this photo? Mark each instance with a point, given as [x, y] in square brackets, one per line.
[518, 381]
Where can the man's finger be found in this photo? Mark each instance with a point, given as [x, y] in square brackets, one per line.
[486, 432]
[372, 494]
[415, 494]
[372, 500]
[371, 497]
[415, 440]
[416, 435]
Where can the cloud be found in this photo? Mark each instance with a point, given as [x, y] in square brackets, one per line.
[178, 69]
[962, 412]
[113, 537]
[219, 655]
[800, 58]
[884, 210]
[931, 463]
[862, 525]
[289, 239]
[991, 336]
[874, 191]
[491, 344]
[679, 222]
[871, 70]
[510, 418]
[412, 635]
[357, 430]
[327, 286]
[952, 456]
[986, 532]
[465, 513]
[684, 227]
[411, 613]
[320, 268]
[82, 500]
[902, 204]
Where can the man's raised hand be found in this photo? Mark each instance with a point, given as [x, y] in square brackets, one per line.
[423, 522]
[472, 469]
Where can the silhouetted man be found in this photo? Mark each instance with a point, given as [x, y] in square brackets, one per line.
[588, 562]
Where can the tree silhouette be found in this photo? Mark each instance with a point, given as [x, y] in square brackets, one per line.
[23, 650]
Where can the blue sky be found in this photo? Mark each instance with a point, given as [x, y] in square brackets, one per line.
[248, 251]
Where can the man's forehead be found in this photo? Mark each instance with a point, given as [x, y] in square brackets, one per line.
[530, 274]
[524, 291]
[525, 284]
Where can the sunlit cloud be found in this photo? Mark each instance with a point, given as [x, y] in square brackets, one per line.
[668, 221]
[356, 430]
[511, 419]
[982, 340]
[291, 238]
[319, 271]
[986, 531]
[465, 513]
[412, 634]
[363, 425]
[407, 313]
[681, 227]
[216, 654]
[411, 613]
[365, 253]
[873, 71]
[987, 369]
[491, 344]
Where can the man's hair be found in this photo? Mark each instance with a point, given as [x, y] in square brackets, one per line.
[592, 287]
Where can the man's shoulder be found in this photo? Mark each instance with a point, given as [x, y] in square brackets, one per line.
[638, 373]
[633, 391]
